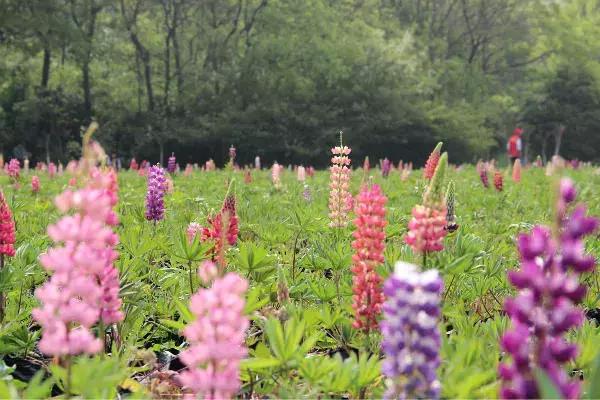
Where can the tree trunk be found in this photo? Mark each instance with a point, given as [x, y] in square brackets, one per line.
[161, 147]
[558, 139]
[87, 96]
[46, 68]
[47, 148]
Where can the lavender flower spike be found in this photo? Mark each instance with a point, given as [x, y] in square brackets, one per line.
[411, 338]
[155, 205]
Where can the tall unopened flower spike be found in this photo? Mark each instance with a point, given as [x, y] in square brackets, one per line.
[172, 164]
[546, 305]
[451, 224]
[411, 338]
[216, 338]
[368, 245]
[427, 226]
[157, 185]
[339, 184]
[432, 161]
[516, 174]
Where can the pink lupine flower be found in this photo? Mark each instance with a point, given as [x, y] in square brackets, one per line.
[482, 170]
[188, 170]
[60, 169]
[52, 169]
[72, 167]
[193, 230]
[133, 164]
[368, 245]
[339, 184]
[301, 174]
[432, 161]
[35, 184]
[276, 175]
[366, 165]
[427, 226]
[7, 229]
[14, 170]
[257, 162]
[216, 338]
[516, 174]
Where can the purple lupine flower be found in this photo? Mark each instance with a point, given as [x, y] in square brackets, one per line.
[172, 164]
[155, 205]
[386, 167]
[546, 306]
[306, 193]
[411, 339]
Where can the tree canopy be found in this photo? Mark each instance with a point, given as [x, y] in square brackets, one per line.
[279, 78]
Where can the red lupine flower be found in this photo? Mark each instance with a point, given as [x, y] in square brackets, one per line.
[498, 180]
[7, 229]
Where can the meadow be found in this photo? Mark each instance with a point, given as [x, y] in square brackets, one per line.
[300, 339]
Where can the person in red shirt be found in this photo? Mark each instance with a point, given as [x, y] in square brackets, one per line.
[514, 147]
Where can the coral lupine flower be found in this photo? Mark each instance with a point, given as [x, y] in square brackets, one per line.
[172, 164]
[35, 184]
[247, 177]
[516, 174]
[188, 170]
[498, 180]
[426, 229]
[155, 205]
[216, 338]
[14, 169]
[7, 229]
[546, 305]
[411, 338]
[339, 205]
[301, 174]
[432, 161]
[368, 245]
[73, 299]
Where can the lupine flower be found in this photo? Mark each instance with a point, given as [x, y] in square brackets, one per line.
[172, 164]
[232, 153]
[193, 230]
[366, 165]
[306, 193]
[483, 173]
[310, 171]
[155, 206]
[210, 165]
[432, 161]
[247, 177]
[451, 224]
[72, 167]
[7, 229]
[133, 165]
[301, 173]
[498, 180]
[386, 167]
[411, 338]
[35, 184]
[276, 175]
[257, 162]
[339, 186]
[546, 305]
[538, 161]
[52, 170]
[26, 165]
[14, 169]
[216, 338]
[74, 298]
[368, 245]
[427, 226]
[60, 169]
[516, 173]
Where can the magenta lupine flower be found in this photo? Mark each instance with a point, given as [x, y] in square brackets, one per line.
[7, 229]
[482, 170]
[216, 337]
[368, 245]
[411, 338]
[172, 164]
[386, 167]
[339, 184]
[35, 184]
[14, 169]
[546, 305]
[72, 299]
[157, 185]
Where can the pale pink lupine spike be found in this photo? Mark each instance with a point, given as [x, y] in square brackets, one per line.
[340, 199]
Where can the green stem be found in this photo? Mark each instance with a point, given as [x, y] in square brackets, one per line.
[191, 278]
[424, 259]
[68, 382]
